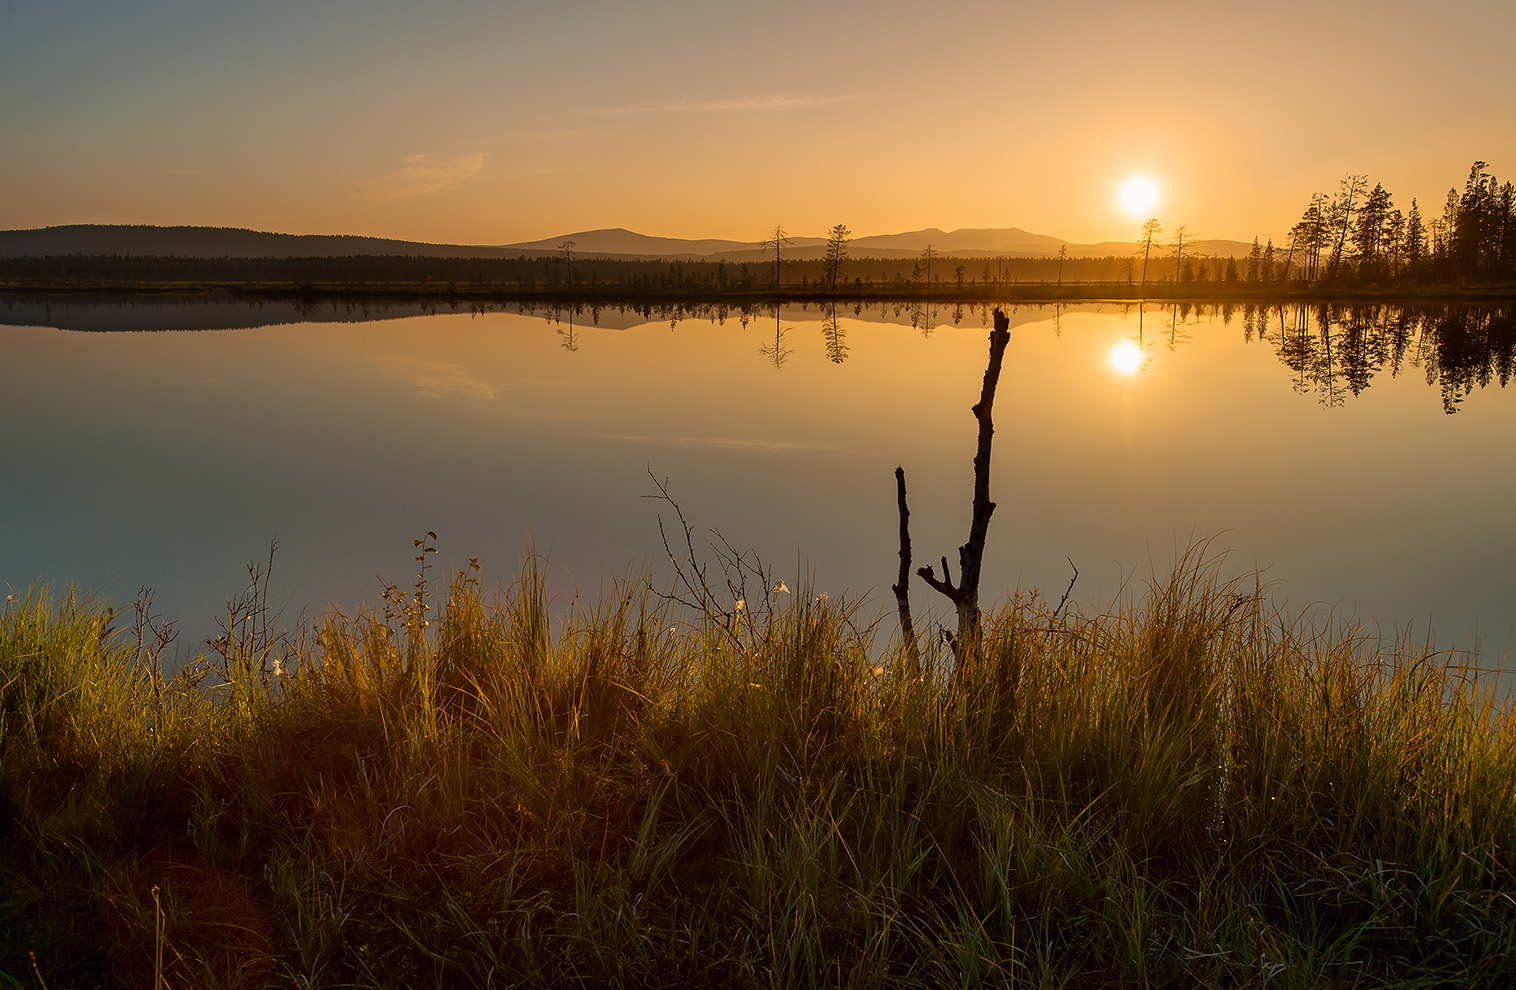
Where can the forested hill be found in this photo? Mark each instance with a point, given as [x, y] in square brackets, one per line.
[218, 242]
[104, 240]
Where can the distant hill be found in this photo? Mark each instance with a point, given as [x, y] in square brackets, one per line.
[615, 242]
[218, 242]
[968, 241]
[620, 242]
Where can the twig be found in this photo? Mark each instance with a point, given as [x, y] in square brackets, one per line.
[692, 587]
[1062, 601]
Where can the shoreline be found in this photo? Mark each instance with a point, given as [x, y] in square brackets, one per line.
[1091, 292]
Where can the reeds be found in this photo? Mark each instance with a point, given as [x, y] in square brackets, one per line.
[1191, 789]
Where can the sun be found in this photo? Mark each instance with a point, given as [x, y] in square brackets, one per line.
[1138, 195]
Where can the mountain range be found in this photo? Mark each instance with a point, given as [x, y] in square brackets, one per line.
[615, 242]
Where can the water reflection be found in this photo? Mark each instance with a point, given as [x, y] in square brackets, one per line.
[1126, 431]
[835, 336]
[1127, 357]
[1333, 352]
[775, 351]
[1337, 352]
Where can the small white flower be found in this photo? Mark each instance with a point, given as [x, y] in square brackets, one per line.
[741, 604]
[781, 587]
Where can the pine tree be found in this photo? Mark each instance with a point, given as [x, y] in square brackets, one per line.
[778, 240]
[1314, 237]
[1392, 236]
[1368, 232]
[836, 253]
[1148, 239]
[1340, 215]
[1415, 239]
[1181, 238]
[1475, 230]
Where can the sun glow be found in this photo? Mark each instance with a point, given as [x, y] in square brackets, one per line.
[1138, 195]
[1126, 357]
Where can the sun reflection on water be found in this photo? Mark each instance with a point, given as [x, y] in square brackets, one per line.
[1126, 357]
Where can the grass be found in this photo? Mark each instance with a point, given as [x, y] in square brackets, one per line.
[464, 790]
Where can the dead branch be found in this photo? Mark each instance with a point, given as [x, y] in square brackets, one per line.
[965, 597]
[902, 587]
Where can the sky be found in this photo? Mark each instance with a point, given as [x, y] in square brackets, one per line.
[476, 122]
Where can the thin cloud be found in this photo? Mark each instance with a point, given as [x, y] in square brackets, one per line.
[432, 379]
[422, 175]
[765, 446]
[769, 101]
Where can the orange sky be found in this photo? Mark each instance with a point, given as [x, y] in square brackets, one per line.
[478, 122]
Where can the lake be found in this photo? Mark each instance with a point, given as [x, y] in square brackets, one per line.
[1361, 458]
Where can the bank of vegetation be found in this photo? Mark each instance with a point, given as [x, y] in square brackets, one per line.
[1352, 243]
[469, 788]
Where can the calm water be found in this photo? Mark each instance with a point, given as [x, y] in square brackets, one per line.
[1361, 459]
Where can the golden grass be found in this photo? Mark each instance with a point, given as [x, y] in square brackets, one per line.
[1192, 789]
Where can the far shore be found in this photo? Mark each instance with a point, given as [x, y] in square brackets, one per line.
[1030, 292]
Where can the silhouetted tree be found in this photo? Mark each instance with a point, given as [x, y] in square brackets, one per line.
[778, 240]
[1368, 231]
[836, 253]
[1392, 236]
[1148, 239]
[1415, 239]
[1341, 214]
[927, 257]
[1182, 237]
[1479, 229]
[1310, 235]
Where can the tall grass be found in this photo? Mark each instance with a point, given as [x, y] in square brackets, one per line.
[1188, 789]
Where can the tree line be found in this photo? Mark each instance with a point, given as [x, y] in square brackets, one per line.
[1357, 235]
[588, 275]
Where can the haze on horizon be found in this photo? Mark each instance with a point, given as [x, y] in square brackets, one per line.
[473, 122]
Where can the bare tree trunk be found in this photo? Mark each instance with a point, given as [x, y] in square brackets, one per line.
[965, 597]
[902, 588]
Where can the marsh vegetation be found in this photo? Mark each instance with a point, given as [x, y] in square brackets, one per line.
[467, 788]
